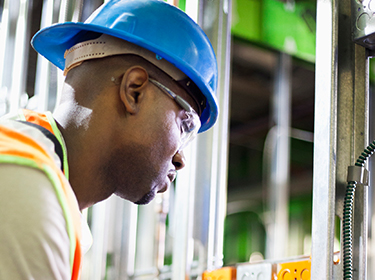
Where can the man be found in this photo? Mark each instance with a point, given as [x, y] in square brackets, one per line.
[140, 84]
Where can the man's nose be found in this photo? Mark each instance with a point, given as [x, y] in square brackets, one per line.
[178, 160]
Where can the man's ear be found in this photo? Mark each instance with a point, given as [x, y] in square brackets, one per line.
[132, 88]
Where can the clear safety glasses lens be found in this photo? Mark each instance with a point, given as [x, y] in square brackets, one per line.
[189, 125]
[189, 128]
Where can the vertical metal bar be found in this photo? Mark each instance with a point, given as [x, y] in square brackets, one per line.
[212, 150]
[371, 252]
[207, 161]
[192, 8]
[19, 62]
[121, 239]
[129, 238]
[184, 198]
[4, 29]
[352, 128]
[42, 80]
[360, 136]
[145, 256]
[224, 51]
[161, 228]
[4, 33]
[277, 229]
[182, 223]
[350, 133]
[324, 176]
[11, 10]
[94, 262]
[88, 7]
[71, 10]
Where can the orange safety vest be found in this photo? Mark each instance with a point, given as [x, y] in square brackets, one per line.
[18, 148]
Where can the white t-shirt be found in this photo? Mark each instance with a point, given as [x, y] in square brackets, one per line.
[34, 243]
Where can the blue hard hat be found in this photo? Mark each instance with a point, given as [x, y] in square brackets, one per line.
[152, 24]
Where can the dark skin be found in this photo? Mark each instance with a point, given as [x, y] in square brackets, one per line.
[122, 135]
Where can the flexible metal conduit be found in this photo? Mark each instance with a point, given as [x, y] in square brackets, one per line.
[359, 178]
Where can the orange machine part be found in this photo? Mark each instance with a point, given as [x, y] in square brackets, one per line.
[296, 270]
[224, 273]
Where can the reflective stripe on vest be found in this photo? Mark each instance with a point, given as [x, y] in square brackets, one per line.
[18, 148]
[46, 120]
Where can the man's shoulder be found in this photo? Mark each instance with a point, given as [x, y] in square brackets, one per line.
[34, 227]
[16, 123]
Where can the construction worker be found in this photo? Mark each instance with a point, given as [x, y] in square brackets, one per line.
[140, 84]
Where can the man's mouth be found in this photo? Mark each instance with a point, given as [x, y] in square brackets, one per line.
[172, 175]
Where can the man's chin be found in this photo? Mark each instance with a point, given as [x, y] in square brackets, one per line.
[146, 199]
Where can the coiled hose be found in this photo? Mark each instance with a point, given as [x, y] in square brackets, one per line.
[348, 216]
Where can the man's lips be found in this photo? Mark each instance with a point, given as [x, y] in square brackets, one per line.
[171, 176]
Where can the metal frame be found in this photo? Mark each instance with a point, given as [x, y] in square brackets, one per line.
[278, 176]
[341, 134]
[208, 159]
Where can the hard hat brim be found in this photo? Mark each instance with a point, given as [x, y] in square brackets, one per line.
[53, 41]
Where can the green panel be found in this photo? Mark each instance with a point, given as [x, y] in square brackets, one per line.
[182, 4]
[288, 28]
[244, 234]
[372, 71]
[247, 19]
[292, 29]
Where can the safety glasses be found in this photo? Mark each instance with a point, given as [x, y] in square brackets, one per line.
[191, 123]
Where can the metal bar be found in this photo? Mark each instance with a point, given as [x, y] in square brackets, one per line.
[129, 236]
[371, 252]
[212, 152]
[88, 7]
[161, 228]
[70, 10]
[121, 238]
[224, 50]
[4, 30]
[19, 62]
[182, 220]
[208, 161]
[146, 246]
[361, 140]
[184, 199]
[95, 260]
[43, 70]
[324, 176]
[4, 33]
[352, 128]
[349, 69]
[277, 228]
